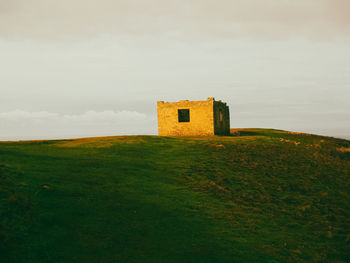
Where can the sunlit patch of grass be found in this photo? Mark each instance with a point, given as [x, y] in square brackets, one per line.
[100, 142]
[343, 149]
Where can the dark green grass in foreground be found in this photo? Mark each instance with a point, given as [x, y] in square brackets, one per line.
[264, 196]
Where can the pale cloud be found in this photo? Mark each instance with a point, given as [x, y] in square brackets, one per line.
[288, 84]
[181, 19]
[278, 63]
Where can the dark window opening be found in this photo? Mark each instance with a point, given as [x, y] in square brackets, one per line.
[221, 115]
[184, 115]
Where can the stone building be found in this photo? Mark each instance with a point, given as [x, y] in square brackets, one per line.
[193, 118]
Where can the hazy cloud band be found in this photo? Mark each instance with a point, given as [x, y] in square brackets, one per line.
[182, 19]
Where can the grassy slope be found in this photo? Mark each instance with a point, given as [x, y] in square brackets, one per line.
[266, 196]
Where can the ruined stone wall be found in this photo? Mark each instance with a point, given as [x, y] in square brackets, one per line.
[201, 118]
[221, 118]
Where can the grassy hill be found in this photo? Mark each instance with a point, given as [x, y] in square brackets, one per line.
[263, 196]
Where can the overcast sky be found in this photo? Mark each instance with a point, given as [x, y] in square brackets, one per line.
[74, 68]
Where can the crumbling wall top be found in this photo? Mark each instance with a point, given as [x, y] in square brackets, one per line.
[208, 99]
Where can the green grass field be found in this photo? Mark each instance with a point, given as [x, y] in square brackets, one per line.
[263, 196]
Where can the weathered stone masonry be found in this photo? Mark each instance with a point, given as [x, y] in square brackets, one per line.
[192, 118]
